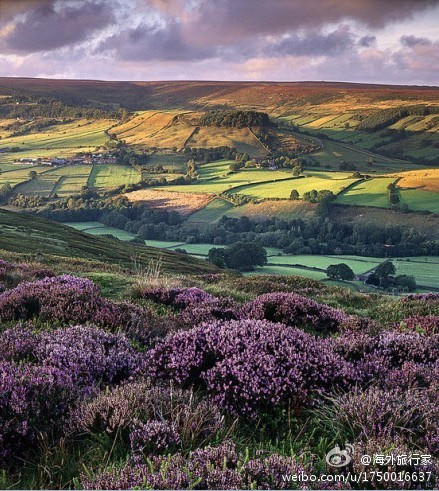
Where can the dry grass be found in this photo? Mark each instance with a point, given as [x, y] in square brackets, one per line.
[427, 180]
[184, 203]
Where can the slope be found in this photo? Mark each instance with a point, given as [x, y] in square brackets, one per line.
[24, 233]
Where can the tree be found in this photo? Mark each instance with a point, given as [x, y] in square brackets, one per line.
[244, 256]
[406, 283]
[297, 170]
[340, 272]
[294, 194]
[217, 256]
[33, 174]
[385, 269]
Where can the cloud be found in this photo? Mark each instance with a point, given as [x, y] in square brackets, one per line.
[314, 43]
[367, 41]
[153, 43]
[47, 26]
[411, 41]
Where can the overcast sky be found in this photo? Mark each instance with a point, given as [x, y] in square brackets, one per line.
[380, 41]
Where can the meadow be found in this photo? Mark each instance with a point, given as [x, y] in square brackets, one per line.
[425, 269]
[105, 176]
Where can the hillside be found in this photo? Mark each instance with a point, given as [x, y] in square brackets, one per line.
[23, 233]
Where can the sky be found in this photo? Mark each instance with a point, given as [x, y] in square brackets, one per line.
[374, 41]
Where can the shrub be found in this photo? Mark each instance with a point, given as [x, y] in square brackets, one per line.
[250, 365]
[33, 400]
[89, 355]
[422, 324]
[153, 437]
[195, 420]
[13, 274]
[294, 310]
[66, 299]
[219, 467]
[393, 414]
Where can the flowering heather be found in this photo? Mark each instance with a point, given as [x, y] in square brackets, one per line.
[219, 467]
[33, 400]
[426, 297]
[195, 420]
[153, 437]
[63, 298]
[66, 299]
[294, 310]
[90, 355]
[406, 415]
[249, 365]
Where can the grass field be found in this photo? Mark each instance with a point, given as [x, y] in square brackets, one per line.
[105, 176]
[418, 199]
[302, 185]
[22, 174]
[372, 192]
[212, 212]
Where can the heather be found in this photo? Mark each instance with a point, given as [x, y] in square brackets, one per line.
[213, 382]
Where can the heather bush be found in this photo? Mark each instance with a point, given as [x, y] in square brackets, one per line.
[195, 420]
[64, 298]
[89, 355]
[153, 437]
[250, 365]
[33, 401]
[219, 467]
[404, 415]
[67, 299]
[13, 274]
[92, 356]
[294, 310]
[412, 305]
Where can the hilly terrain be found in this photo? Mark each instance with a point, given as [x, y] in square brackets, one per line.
[95, 155]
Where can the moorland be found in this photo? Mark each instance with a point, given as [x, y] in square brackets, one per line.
[211, 285]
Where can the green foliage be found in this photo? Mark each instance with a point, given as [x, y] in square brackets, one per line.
[340, 272]
[236, 119]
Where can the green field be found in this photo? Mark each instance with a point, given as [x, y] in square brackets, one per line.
[372, 192]
[105, 176]
[425, 269]
[417, 199]
[210, 213]
[302, 185]
[218, 185]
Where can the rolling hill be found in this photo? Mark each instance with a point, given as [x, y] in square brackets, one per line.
[26, 234]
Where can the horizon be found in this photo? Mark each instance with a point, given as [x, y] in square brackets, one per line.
[279, 82]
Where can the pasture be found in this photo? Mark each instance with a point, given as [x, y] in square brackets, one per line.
[107, 176]
[283, 189]
[372, 192]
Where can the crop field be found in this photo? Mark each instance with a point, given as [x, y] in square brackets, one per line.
[60, 140]
[427, 180]
[106, 176]
[35, 187]
[372, 192]
[357, 264]
[418, 199]
[184, 203]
